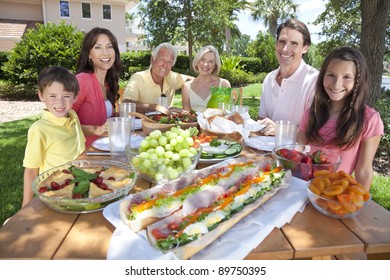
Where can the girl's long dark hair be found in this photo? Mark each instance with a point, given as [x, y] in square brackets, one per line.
[84, 65]
[351, 119]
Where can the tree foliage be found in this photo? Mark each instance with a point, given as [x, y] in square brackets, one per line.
[195, 22]
[273, 12]
[51, 44]
[239, 45]
[340, 24]
[263, 47]
[363, 24]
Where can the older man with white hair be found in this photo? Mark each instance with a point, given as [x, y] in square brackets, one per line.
[147, 86]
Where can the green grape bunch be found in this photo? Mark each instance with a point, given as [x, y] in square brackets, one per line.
[164, 156]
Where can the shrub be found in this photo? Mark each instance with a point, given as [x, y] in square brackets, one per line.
[231, 63]
[182, 62]
[134, 62]
[256, 65]
[3, 58]
[51, 44]
[382, 106]
[237, 78]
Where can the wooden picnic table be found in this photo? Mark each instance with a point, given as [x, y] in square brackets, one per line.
[37, 232]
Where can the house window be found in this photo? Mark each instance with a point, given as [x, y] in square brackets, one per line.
[64, 9]
[106, 11]
[86, 10]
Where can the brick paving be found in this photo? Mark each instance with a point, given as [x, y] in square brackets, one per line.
[17, 110]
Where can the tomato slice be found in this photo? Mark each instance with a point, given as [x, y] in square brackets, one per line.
[161, 233]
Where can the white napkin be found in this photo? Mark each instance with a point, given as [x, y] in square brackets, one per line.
[276, 212]
[221, 125]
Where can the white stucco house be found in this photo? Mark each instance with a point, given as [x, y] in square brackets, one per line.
[16, 16]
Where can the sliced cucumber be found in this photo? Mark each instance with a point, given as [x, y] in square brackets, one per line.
[236, 146]
[220, 156]
[232, 151]
[207, 156]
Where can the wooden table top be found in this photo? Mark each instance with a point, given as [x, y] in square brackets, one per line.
[37, 232]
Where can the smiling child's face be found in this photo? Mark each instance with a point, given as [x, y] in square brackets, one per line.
[58, 101]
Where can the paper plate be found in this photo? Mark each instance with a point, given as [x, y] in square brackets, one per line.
[263, 143]
[104, 144]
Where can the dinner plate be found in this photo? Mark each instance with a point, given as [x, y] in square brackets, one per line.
[104, 144]
[216, 160]
[263, 143]
[138, 124]
[218, 150]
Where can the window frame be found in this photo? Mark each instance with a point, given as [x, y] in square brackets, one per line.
[103, 6]
[60, 8]
[90, 10]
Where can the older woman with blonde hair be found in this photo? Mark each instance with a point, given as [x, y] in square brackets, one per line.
[196, 93]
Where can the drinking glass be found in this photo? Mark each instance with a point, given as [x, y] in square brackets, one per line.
[285, 132]
[119, 135]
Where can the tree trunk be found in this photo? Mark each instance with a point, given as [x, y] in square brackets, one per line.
[372, 44]
[273, 25]
[228, 34]
[190, 56]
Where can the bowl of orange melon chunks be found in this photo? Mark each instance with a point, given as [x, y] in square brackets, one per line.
[337, 194]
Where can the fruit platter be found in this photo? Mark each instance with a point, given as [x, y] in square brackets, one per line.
[84, 186]
[303, 162]
[165, 155]
[337, 194]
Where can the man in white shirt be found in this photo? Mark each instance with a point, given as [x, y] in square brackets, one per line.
[289, 90]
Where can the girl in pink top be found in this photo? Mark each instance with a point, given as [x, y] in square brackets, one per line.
[98, 69]
[339, 118]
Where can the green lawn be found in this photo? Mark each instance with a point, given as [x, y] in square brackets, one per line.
[14, 137]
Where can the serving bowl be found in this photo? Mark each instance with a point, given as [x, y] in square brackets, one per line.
[183, 121]
[164, 156]
[67, 202]
[300, 160]
[160, 169]
[343, 206]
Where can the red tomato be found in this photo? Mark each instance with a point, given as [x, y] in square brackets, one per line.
[173, 226]
[161, 233]
[77, 196]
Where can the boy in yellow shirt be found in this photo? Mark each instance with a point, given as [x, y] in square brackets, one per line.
[57, 137]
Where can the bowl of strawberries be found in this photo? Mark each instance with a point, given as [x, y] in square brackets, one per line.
[303, 161]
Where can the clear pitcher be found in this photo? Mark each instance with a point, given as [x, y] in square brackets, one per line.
[222, 95]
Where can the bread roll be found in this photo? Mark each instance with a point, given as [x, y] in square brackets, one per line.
[210, 112]
[236, 118]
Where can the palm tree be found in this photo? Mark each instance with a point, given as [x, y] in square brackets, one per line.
[234, 6]
[270, 11]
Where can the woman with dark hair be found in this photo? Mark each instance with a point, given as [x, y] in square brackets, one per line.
[98, 70]
[339, 118]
